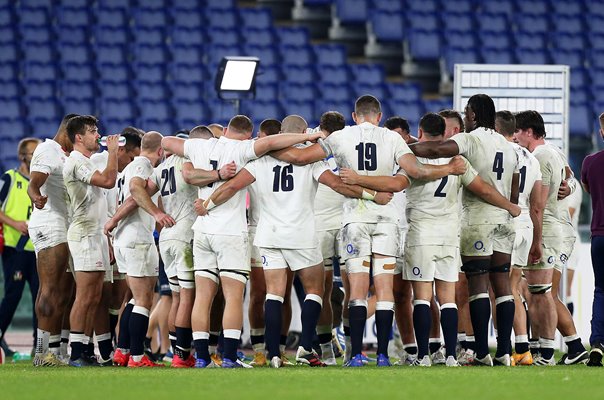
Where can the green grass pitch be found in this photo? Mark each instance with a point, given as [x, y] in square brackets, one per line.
[23, 381]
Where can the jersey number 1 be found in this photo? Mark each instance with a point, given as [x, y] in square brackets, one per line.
[283, 178]
[367, 156]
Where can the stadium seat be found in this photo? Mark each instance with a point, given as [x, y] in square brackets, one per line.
[10, 109]
[150, 18]
[8, 71]
[163, 126]
[115, 125]
[567, 24]
[268, 74]
[424, 45]
[188, 5]
[574, 8]
[42, 53]
[532, 23]
[579, 96]
[330, 54]
[191, 113]
[149, 36]
[463, 39]
[35, 4]
[493, 22]
[456, 55]
[73, 17]
[496, 56]
[412, 111]
[537, 7]
[37, 88]
[112, 18]
[13, 129]
[423, 20]
[8, 34]
[351, 11]
[579, 123]
[107, 35]
[260, 109]
[530, 40]
[184, 36]
[368, 73]
[293, 36]
[596, 58]
[407, 92]
[157, 109]
[377, 90]
[343, 107]
[111, 54]
[151, 54]
[221, 4]
[73, 35]
[188, 54]
[297, 55]
[531, 56]
[183, 91]
[436, 105]
[579, 78]
[9, 89]
[225, 18]
[594, 8]
[216, 52]
[267, 90]
[153, 4]
[80, 72]
[36, 16]
[387, 26]
[305, 109]
[152, 91]
[566, 41]
[496, 40]
[572, 58]
[260, 18]
[224, 36]
[117, 109]
[115, 90]
[79, 106]
[298, 92]
[8, 147]
[35, 71]
[336, 92]
[35, 34]
[423, 5]
[455, 6]
[75, 53]
[457, 21]
[114, 73]
[188, 73]
[268, 55]
[596, 40]
[388, 5]
[184, 18]
[334, 75]
[38, 108]
[77, 89]
[9, 53]
[259, 37]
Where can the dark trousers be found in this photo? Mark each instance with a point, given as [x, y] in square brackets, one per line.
[18, 267]
[597, 314]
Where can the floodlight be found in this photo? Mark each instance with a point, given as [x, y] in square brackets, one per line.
[236, 77]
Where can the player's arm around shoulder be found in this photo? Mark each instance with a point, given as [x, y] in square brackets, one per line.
[174, 145]
[332, 180]
[391, 184]
[227, 190]
[138, 190]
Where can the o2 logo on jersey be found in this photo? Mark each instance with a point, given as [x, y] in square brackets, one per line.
[563, 258]
[550, 259]
[264, 261]
[479, 245]
[417, 272]
[350, 248]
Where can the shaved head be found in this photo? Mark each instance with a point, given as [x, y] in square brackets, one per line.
[201, 132]
[293, 124]
[151, 141]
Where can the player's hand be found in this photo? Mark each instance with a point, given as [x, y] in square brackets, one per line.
[199, 208]
[21, 226]
[313, 137]
[349, 176]
[457, 166]
[535, 253]
[564, 190]
[112, 143]
[109, 226]
[164, 220]
[111, 253]
[228, 171]
[383, 198]
[514, 210]
[40, 201]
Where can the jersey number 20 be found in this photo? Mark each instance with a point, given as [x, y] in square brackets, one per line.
[168, 181]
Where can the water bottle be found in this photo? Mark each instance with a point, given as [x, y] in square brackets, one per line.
[21, 357]
[103, 141]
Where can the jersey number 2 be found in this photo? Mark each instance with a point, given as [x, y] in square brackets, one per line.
[439, 190]
[168, 181]
[367, 156]
[283, 178]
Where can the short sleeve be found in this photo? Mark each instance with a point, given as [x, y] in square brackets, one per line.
[156, 176]
[318, 168]
[465, 142]
[5, 182]
[41, 161]
[400, 147]
[247, 152]
[84, 171]
[328, 144]
[251, 167]
[545, 168]
[470, 174]
[191, 149]
[142, 170]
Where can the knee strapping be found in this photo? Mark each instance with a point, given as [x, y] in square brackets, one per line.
[314, 297]
[208, 274]
[241, 276]
[503, 299]
[358, 265]
[384, 305]
[384, 265]
[475, 267]
[540, 288]
[478, 296]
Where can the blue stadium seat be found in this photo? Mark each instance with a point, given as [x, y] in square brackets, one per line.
[116, 90]
[221, 4]
[297, 55]
[596, 58]
[37, 16]
[455, 6]
[112, 17]
[216, 52]
[10, 109]
[80, 72]
[261, 18]
[344, 107]
[37, 71]
[224, 36]
[188, 73]
[224, 18]
[73, 35]
[8, 147]
[188, 54]
[574, 8]
[42, 89]
[78, 106]
[531, 56]
[73, 17]
[530, 40]
[35, 34]
[107, 35]
[537, 7]
[75, 53]
[8, 71]
[150, 18]
[298, 73]
[378, 90]
[115, 125]
[463, 39]
[153, 91]
[39, 108]
[149, 73]
[412, 111]
[408, 92]
[595, 8]
[388, 5]
[368, 73]
[77, 89]
[566, 41]
[532, 23]
[117, 109]
[456, 55]
[496, 40]
[9, 53]
[497, 56]
[150, 36]
[189, 5]
[13, 129]
[268, 74]
[259, 37]
[337, 92]
[579, 78]
[298, 92]
[183, 36]
[572, 58]
[192, 19]
[579, 96]
[183, 91]
[293, 36]
[436, 105]
[42, 53]
[260, 109]
[423, 20]
[9, 89]
[268, 55]
[163, 126]
[36, 4]
[77, 3]
[7, 14]
[579, 123]
[111, 54]
[305, 109]
[151, 54]
[457, 21]
[351, 11]
[596, 40]
[333, 74]
[113, 73]
[191, 113]
[568, 24]
[267, 90]
[153, 4]
[597, 77]
[423, 5]
[424, 45]
[8, 34]
[493, 22]
[330, 54]
[387, 26]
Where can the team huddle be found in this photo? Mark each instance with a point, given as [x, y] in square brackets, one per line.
[446, 229]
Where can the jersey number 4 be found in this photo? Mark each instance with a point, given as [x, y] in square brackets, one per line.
[498, 165]
[168, 180]
[367, 156]
[283, 179]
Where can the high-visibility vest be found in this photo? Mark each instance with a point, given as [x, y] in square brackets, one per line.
[18, 207]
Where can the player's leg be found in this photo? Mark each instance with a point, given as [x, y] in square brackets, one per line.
[570, 276]
[383, 279]
[276, 283]
[89, 286]
[436, 351]
[448, 318]
[465, 330]
[102, 325]
[216, 315]
[596, 339]
[576, 351]
[233, 288]
[403, 312]
[475, 269]
[422, 318]
[206, 286]
[313, 279]
[324, 326]
[346, 314]
[504, 303]
[542, 309]
[522, 355]
[142, 293]
[256, 312]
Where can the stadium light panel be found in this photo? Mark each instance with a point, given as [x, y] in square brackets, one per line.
[236, 77]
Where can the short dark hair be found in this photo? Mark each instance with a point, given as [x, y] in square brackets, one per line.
[241, 124]
[270, 126]
[506, 121]
[367, 104]
[63, 125]
[200, 132]
[531, 119]
[432, 124]
[332, 121]
[397, 122]
[453, 114]
[78, 124]
[484, 109]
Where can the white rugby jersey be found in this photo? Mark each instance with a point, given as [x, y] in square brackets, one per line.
[100, 162]
[86, 201]
[211, 154]
[49, 158]
[530, 172]
[368, 150]
[138, 227]
[568, 229]
[552, 171]
[177, 197]
[495, 161]
[328, 203]
[286, 196]
[433, 208]
[253, 211]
